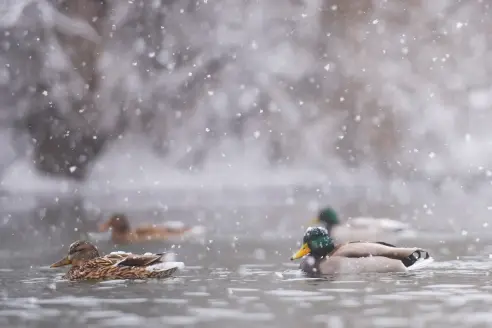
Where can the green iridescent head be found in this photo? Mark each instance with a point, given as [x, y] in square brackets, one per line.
[328, 216]
[316, 242]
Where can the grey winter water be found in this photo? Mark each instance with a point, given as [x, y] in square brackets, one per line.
[239, 275]
[245, 117]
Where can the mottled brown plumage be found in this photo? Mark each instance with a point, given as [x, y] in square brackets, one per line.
[121, 232]
[88, 264]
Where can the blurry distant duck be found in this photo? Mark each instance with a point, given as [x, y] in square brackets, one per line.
[88, 264]
[121, 233]
[323, 256]
[361, 228]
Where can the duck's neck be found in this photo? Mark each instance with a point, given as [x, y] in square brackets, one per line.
[329, 227]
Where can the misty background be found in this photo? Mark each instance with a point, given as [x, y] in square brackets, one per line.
[375, 107]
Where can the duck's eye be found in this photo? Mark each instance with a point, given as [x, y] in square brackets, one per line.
[75, 251]
[80, 249]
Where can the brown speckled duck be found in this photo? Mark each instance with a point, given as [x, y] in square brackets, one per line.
[87, 264]
[122, 233]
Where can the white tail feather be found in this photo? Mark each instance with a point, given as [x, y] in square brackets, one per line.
[169, 257]
[422, 263]
[196, 231]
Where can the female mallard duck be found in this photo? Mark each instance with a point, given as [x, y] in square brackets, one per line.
[88, 264]
[324, 257]
[121, 233]
[361, 228]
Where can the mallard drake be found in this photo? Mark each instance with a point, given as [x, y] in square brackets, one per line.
[361, 228]
[121, 232]
[88, 264]
[323, 256]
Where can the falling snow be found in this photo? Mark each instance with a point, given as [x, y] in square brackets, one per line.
[384, 109]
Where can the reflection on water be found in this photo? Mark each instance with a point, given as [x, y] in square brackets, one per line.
[444, 294]
[236, 279]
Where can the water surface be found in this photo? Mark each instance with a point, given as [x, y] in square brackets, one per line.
[235, 276]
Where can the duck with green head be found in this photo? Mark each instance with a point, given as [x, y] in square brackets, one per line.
[321, 255]
[360, 228]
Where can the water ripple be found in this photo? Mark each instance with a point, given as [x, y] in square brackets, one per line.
[452, 293]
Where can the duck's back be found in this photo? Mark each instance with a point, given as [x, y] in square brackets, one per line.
[366, 249]
[159, 231]
[383, 224]
[345, 265]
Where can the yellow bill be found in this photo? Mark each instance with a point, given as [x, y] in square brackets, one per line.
[314, 221]
[64, 261]
[304, 250]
